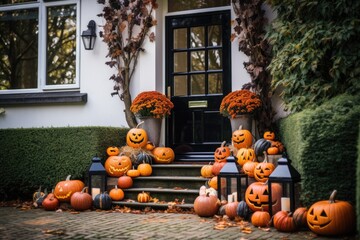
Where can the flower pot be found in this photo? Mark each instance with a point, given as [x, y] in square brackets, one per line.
[244, 119]
[152, 126]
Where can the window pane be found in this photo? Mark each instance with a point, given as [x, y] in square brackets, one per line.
[61, 45]
[176, 5]
[215, 83]
[214, 33]
[180, 38]
[215, 59]
[180, 85]
[197, 35]
[5, 2]
[180, 62]
[19, 49]
[198, 84]
[198, 61]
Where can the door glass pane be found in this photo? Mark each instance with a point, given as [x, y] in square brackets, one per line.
[61, 45]
[197, 37]
[214, 33]
[215, 59]
[176, 5]
[197, 84]
[180, 62]
[180, 38]
[180, 85]
[198, 61]
[19, 49]
[5, 2]
[215, 83]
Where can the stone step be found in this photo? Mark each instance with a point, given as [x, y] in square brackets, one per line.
[152, 205]
[177, 169]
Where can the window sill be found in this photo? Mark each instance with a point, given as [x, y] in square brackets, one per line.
[42, 98]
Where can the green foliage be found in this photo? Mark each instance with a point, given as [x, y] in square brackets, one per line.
[322, 144]
[358, 184]
[316, 50]
[30, 158]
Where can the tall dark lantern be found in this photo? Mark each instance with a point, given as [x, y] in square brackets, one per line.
[288, 176]
[97, 177]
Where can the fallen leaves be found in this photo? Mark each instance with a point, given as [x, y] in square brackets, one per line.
[57, 232]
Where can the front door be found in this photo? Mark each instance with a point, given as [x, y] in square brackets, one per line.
[198, 76]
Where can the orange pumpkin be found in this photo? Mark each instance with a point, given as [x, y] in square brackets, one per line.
[125, 182]
[163, 155]
[206, 205]
[143, 197]
[65, 189]
[216, 168]
[222, 153]
[116, 194]
[206, 171]
[257, 196]
[145, 169]
[249, 167]
[50, 203]
[263, 170]
[112, 151]
[260, 219]
[272, 150]
[244, 155]
[213, 182]
[284, 222]
[269, 135]
[133, 173]
[117, 166]
[137, 137]
[231, 209]
[242, 138]
[331, 217]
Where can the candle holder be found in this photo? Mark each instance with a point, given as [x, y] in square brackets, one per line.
[97, 177]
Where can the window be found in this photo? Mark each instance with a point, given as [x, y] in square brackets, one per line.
[38, 45]
[183, 5]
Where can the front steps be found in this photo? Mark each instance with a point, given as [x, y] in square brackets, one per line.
[169, 183]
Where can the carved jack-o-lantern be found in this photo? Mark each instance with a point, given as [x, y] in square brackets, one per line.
[263, 170]
[242, 138]
[117, 166]
[257, 196]
[249, 167]
[112, 151]
[163, 155]
[244, 155]
[137, 137]
[65, 189]
[330, 217]
[222, 153]
[269, 135]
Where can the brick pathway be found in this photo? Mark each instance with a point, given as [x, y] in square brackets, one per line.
[41, 224]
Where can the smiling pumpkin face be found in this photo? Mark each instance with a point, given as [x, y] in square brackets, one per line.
[136, 138]
[117, 166]
[222, 153]
[163, 155]
[257, 196]
[242, 138]
[65, 189]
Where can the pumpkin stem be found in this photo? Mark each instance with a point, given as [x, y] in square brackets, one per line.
[68, 177]
[240, 127]
[265, 157]
[83, 190]
[332, 196]
[223, 143]
[137, 126]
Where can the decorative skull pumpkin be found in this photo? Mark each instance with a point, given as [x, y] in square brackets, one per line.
[244, 155]
[65, 189]
[242, 138]
[137, 137]
[163, 155]
[263, 170]
[331, 217]
[257, 196]
[117, 166]
[269, 135]
[222, 153]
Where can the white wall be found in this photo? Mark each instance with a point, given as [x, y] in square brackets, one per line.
[101, 109]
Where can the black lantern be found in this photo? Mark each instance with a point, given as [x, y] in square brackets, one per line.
[231, 175]
[89, 36]
[288, 176]
[97, 177]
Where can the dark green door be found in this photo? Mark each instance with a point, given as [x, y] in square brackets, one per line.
[198, 75]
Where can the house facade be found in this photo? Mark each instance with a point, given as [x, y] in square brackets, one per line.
[48, 79]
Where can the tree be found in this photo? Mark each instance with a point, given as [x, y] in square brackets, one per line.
[127, 25]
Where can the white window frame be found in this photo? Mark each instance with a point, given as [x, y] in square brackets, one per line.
[42, 5]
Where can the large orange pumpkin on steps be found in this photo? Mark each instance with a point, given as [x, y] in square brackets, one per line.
[257, 196]
[65, 189]
[331, 217]
[117, 166]
[163, 155]
[242, 138]
[137, 137]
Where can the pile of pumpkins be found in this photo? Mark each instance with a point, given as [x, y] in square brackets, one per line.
[328, 217]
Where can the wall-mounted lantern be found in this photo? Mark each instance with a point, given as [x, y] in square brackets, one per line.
[89, 36]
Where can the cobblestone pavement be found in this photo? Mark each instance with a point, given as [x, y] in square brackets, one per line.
[40, 224]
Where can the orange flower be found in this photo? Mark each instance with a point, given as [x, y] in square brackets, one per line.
[239, 102]
[151, 104]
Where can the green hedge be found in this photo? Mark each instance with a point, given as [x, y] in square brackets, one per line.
[30, 158]
[322, 144]
[358, 185]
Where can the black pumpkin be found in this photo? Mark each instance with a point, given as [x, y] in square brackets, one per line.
[261, 145]
[143, 157]
[103, 201]
[243, 210]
